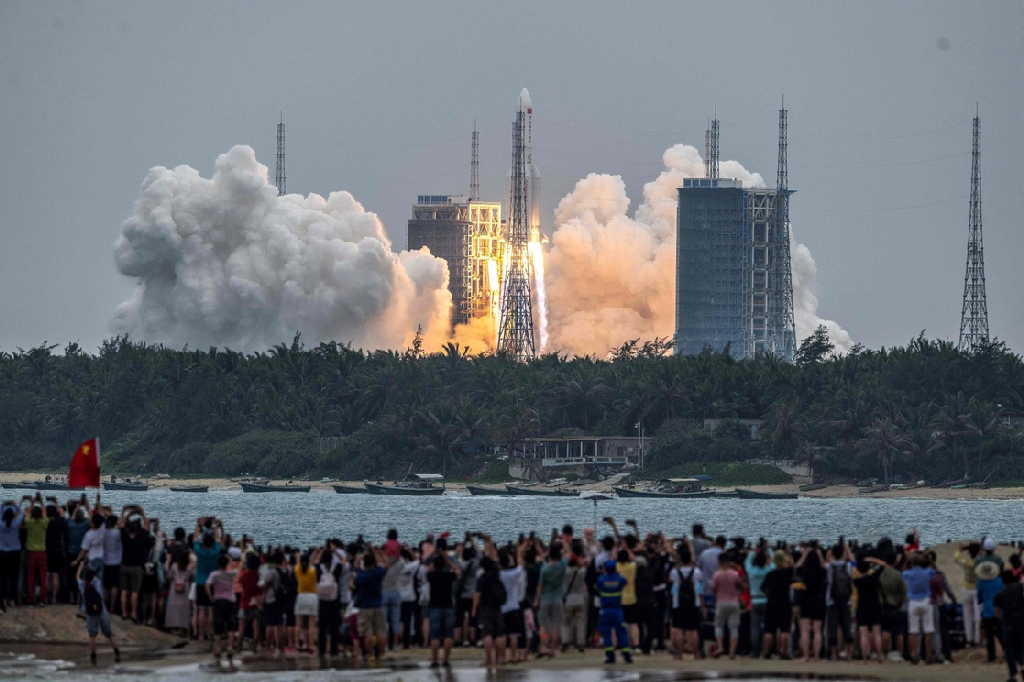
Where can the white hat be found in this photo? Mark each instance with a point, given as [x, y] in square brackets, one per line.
[235, 553]
[988, 545]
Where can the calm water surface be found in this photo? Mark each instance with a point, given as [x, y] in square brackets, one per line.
[309, 518]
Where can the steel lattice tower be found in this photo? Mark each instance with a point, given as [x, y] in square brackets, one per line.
[280, 176]
[786, 345]
[711, 150]
[515, 333]
[974, 310]
[474, 166]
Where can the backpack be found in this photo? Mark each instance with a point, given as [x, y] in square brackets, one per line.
[287, 587]
[180, 582]
[93, 600]
[493, 592]
[842, 584]
[327, 588]
[687, 590]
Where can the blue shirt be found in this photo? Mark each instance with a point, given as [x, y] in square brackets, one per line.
[76, 531]
[9, 538]
[987, 591]
[369, 584]
[755, 577]
[609, 588]
[916, 580]
[206, 560]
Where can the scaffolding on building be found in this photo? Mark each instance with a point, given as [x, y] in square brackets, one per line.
[280, 176]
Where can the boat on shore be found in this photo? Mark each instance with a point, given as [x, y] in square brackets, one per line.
[126, 485]
[267, 488]
[539, 492]
[663, 494]
[403, 489]
[189, 488]
[667, 488]
[483, 490]
[745, 494]
[870, 489]
[807, 487]
[349, 490]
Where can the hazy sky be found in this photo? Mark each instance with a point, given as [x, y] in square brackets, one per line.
[380, 100]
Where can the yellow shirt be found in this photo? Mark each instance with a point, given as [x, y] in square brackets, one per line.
[35, 530]
[307, 580]
[628, 571]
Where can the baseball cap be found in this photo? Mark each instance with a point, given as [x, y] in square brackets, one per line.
[988, 545]
[235, 553]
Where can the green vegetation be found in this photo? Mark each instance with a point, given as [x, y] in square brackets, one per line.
[925, 410]
[724, 474]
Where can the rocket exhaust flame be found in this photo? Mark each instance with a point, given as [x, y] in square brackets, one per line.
[537, 259]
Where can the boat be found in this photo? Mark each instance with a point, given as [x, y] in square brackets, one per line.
[126, 485]
[638, 492]
[402, 489]
[190, 488]
[745, 494]
[481, 490]
[36, 485]
[868, 490]
[541, 492]
[726, 493]
[807, 487]
[267, 488]
[348, 490]
[596, 495]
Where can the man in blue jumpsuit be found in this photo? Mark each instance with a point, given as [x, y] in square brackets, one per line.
[609, 590]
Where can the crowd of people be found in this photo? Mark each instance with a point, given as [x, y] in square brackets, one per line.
[634, 592]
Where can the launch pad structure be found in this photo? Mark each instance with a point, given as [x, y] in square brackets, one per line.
[734, 282]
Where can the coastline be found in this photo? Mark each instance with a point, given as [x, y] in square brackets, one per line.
[459, 487]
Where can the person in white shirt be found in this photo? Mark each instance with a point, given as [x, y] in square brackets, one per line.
[687, 581]
[92, 546]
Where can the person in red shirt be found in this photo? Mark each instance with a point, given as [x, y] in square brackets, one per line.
[727, 585]
[250, 599]
[392, 547]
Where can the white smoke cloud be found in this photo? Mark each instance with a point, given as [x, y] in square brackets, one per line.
[611, 277]
[226, 261]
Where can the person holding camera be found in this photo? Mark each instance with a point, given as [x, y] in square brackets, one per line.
[136, 543]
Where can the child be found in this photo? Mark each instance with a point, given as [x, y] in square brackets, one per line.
[96, 615]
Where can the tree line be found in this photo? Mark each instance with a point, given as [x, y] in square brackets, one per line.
[921, 411]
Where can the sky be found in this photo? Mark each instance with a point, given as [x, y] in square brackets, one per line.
[380, 100]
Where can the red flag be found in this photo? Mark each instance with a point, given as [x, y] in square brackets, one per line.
[85, 465]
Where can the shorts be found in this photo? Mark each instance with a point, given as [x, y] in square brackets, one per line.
[442, 623]
[306, 604]
[202, 597]
[839, 617]
[727, 615]
[490, 622]
[93, 624]
[131, 578]
[778, 618]
[812, 608]
[55, 562]
[513, 623]
[631, 614]
[225, 616]
[111, 576]
[372, 622]
[894, 620]
[868, 616]
[550, 617]
[272, 616]
[686, 618]
[920, 617]
[464, 608]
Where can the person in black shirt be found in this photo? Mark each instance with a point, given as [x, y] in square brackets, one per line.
[441, 578]
[487, 602]
[810, 570]
[56, 556]
[1009, 604]
[136, 542]
[869, 607]
[778, 614]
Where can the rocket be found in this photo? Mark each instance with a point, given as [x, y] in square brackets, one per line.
[533, 175]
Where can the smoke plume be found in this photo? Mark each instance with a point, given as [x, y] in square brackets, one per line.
[226, 261]
[611, 277]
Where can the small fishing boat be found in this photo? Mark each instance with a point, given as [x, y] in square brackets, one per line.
[662, 494]
[745, 494]
[267, 488]
[403, 489]
[541, 492]
[190, 488]
[348, 490]
[36, 485]
[126, 485]
[868, 490]
[807, 487]
[481, 490]
[596, 495]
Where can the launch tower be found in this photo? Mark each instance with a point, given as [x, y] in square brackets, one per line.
[515, 331]
[280, 177]
[974, 309]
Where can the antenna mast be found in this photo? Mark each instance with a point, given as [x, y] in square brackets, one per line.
[280, 177]
[474, 167]
[974, 310]
[711, 149]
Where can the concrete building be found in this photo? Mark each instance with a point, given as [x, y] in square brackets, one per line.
[469, 235]
[542, 458]
[732, 260]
